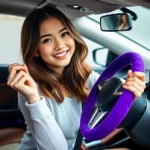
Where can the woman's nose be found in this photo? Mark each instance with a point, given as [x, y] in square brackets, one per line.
[59, 47]
[59, 44]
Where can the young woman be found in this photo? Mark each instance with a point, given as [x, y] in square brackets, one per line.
[123, 23]
[54, 80]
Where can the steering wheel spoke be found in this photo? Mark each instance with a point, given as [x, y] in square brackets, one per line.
[97, 116]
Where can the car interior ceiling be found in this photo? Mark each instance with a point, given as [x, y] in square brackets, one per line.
[8, 97]
[22, 8]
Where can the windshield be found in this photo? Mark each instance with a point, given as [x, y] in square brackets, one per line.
[140, 31]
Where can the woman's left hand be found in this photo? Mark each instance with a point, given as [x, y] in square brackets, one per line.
[83, 147]
[135, 82]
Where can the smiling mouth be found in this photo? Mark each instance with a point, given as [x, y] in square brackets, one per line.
[61, 55]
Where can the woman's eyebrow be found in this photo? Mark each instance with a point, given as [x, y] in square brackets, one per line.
[62, 29]
[45, 35]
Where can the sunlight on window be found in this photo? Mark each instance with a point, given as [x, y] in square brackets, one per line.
[10, 29]
[10, 17]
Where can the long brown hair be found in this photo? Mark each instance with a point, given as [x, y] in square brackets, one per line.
[120, 22]
[50, 83]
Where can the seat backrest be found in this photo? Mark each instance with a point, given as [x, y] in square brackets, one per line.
[10, 114]
[8, 97]
[3, 73]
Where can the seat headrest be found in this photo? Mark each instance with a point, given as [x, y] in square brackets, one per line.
[3, 73]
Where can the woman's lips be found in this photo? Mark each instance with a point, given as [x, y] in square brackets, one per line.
[61, 55]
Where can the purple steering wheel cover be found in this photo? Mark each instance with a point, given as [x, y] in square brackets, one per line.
[121, 107]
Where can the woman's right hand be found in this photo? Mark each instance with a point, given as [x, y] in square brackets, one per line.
[20, 80]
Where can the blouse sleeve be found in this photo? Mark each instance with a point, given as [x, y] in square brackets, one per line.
[92, 79]
[40, 121]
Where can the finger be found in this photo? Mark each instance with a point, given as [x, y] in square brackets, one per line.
[15, 85]
[26, 68]
[13, 71]
[11, 65]
[17, 77]
[129, 73]
[14, 65]
[134, 90]
[135, 85]
[82, 148]
[21, 83]
[11, 76]
[136, 80]
[140, 75]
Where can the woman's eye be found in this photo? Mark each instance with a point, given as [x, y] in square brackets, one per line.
[47, 40]
[65, 34]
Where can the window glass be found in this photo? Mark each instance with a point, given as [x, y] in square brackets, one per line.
[10, 29]
[101, 54]
[140, 31]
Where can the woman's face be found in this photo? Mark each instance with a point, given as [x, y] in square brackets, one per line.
[124, 18]
[56, 45]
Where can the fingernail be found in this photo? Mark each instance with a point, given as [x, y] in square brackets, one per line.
[24, 65]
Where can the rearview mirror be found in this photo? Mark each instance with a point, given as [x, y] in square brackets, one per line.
[116, 22]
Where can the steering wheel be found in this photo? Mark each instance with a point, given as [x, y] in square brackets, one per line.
[122, 106]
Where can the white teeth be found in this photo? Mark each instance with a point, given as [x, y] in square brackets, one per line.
[62, 54]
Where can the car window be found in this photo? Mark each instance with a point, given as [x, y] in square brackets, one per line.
[10, 29]
[91, 47]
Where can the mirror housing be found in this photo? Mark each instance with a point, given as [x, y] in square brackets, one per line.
[116, 22]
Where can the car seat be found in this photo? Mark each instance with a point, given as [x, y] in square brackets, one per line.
[12, 124]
